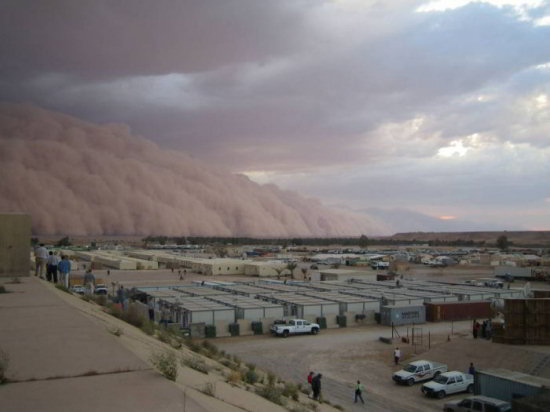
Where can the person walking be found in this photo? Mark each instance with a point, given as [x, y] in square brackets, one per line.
[51, 267]
[310, 379]
[359, 388]
[472, 369]
[316, 386]
[475, 330]
[41, 258]
[64, 268]
[89, 282]
[396, 355]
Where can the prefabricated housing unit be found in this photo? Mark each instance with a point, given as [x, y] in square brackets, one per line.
[507, 385]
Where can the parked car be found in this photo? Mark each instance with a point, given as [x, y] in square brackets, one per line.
[477, 403]
[448, 383]
[293, 327]
[417, 371]
[78, 289]
[101, 289]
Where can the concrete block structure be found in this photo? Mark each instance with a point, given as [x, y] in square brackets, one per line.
[15, 246]
[266, 269]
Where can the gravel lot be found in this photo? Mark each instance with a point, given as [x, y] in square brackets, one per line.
[343, 356]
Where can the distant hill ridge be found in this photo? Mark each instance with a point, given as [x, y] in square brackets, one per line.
[517, 237]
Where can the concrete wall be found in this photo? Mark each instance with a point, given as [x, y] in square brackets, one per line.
[15, 238]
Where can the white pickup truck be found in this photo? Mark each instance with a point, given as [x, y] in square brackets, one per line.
[417, 371]
[293, 327]
[448, 383]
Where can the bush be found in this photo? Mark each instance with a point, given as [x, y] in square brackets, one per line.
[148, 327]
[210, 347]
[291, 391]
[229, 364]
[3, 289]
[63, 288]
[196, 364]
[272, 394]
[209, 389]
[251, 377]
[4, 362]
[192, 345]
[166, 363]
[236, 360]
[163, 336]
[271, 378]
[234, 377]
[251, 366]
[133, 317]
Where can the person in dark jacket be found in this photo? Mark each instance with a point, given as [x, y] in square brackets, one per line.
[316, 386]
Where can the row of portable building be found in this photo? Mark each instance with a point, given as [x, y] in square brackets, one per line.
[334, 304]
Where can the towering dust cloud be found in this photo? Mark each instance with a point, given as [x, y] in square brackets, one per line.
[79, 178]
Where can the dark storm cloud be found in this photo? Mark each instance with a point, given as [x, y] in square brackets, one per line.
[303, 86]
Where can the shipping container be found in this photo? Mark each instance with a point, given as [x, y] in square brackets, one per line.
[436, 312]
[541, 294]
[402, 315]
[507, 385]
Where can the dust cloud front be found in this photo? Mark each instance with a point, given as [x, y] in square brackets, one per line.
[79, 178]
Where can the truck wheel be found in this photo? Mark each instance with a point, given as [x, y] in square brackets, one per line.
[440, 394]
[314, 331]
[470, 389]
[410, 381]
[285, 334]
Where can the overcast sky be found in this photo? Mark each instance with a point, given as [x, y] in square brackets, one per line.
[437, 107]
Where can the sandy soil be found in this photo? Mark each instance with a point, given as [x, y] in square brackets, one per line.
[343, 356]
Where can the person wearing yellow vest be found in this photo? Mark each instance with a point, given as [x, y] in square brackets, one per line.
[359, 388]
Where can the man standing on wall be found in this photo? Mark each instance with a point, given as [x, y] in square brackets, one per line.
[64, 271]
[41, 257]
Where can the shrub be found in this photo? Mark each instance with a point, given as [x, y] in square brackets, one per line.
[236, 360]
[192, 345]
[3, 289]
[166, 364]
[210, 347]
[63, 288]
[4, 362]
[133, 317]
[209, 389]
[234, 377]
[251, 377]
[251, 366]
[148, 327]
[290, 391]
[163, 336]
[271, 378]
[101, 300]
[229, 364]
[272, 394]
[196, 364]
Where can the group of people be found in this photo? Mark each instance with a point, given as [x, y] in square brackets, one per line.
[483, 329]
[315, 382]
[49, 265]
